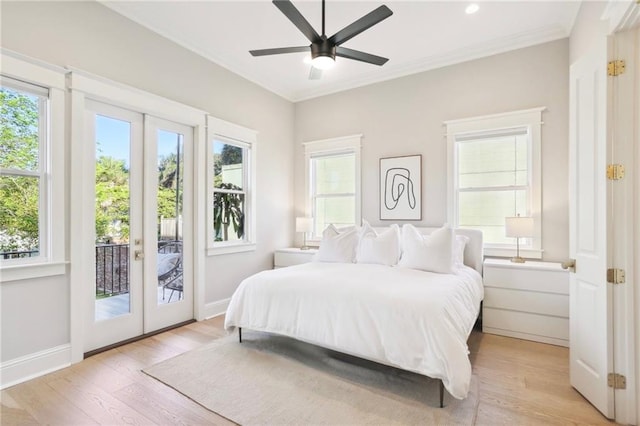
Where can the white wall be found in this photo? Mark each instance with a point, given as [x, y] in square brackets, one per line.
[405, 116]
[588, 29]
[88, 36]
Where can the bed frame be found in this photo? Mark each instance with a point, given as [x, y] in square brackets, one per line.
[473, 257]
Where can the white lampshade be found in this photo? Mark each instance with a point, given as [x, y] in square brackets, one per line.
[323, 62]
[304, 224]
[519, 227]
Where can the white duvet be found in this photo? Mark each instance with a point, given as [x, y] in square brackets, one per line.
[414, 320]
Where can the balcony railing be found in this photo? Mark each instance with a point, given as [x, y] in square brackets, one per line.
[112, 269]
[6, 255]
[112, 264]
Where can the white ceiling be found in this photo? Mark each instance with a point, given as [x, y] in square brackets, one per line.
[420, 35]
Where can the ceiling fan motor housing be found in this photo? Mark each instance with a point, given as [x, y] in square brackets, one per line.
[323, 48]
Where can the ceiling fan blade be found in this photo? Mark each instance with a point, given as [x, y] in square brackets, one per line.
[315, 73]
[279, 50]
[297, 19]
[360, 56]
[367, 21]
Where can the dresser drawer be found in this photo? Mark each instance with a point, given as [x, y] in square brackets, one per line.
[497, 320]
[290, 257]
[532, 302]
[527, 279]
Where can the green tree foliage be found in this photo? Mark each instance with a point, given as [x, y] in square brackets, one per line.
[167, 185]
[19, 196]
[112, 200]
[228, 210]
[230, 154]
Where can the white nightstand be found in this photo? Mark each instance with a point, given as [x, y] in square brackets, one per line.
[526, 300]
[292, 256]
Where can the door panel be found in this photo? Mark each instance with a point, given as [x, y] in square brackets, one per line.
[168, 226]
[115, 307]
[142, 277]
[590, 319]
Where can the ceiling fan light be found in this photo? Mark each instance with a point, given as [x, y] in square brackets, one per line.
[323, 62]
[472, 8]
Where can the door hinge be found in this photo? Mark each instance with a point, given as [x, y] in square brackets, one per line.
[615, 68]
[615, 171]
[615, 276]
[617, 381]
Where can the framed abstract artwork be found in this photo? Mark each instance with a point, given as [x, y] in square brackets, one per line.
[400, 188]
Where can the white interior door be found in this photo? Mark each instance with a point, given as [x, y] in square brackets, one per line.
[140, 191]
[590, 298]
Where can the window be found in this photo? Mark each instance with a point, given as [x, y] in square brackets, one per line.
[333, 182]
[22, 170]
[31, 170]
[494, 172]
[232, 182]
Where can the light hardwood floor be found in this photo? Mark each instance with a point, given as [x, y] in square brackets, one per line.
[521, 383]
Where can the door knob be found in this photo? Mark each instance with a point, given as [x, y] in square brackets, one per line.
[138, 255]
[569, 264]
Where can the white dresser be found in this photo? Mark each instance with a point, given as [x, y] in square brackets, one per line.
[526, 300]
[292, 256]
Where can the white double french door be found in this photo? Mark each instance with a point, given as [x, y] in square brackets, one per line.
[139, 181]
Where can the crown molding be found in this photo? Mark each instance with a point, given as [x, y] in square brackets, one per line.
[502, 45]
[481, 50]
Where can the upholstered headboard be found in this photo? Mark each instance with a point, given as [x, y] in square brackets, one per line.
[473, 252]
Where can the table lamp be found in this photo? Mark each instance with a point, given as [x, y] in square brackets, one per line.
[304, 225]
[518, 227]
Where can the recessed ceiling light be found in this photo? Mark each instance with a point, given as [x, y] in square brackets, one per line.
[472, 8]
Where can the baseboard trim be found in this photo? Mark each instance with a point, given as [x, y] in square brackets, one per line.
[526, 336]
[34, 365]
[216, 308]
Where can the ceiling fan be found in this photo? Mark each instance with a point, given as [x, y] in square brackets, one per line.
[324, 50]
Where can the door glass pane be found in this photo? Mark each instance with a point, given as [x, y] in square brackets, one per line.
[170, 164]
[113, 155]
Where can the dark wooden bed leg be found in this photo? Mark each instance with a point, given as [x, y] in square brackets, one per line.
[240, 334]
[441, 394]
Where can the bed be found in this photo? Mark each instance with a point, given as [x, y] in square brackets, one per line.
[406, 318]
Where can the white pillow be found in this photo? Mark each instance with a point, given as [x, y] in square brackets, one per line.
[337, 246]
[458, 250]
[382, 248]
[433, 253]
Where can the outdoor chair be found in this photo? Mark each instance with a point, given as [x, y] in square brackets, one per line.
[170, 268]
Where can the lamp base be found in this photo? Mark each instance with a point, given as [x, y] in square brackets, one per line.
[517, 259]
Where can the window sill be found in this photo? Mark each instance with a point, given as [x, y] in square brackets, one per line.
[32, 270]
[231, 248]
[511, 252]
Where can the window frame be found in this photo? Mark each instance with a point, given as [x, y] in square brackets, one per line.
[531, 119]
[51, 260]
[224, 131]
[326, 148]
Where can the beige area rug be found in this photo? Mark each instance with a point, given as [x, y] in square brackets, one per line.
[274, 380]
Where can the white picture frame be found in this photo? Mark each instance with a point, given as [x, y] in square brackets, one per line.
[401, 188]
